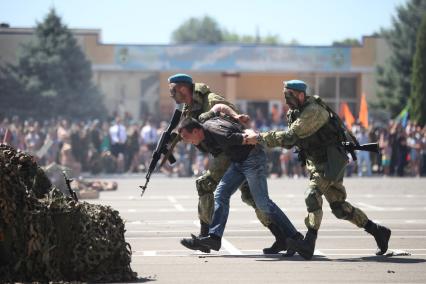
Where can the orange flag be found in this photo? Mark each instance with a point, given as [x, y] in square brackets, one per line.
[346, 115]
[363, 112]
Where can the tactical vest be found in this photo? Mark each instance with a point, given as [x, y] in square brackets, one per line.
[314, 147]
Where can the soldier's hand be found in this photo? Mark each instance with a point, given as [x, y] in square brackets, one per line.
[244, 119]
[250, 137]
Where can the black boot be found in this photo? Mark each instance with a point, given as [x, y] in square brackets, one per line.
[204, 229]
[190, 242]
[381, 234]
[280, 240]
[304, 247]
[290, 252]
[211, 242]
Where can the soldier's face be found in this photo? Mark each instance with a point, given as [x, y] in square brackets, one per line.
[291, 98]
[194, 137]
[176, 93]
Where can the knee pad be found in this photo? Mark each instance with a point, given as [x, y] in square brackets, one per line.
[205, 184]
[313, 201]
[342, 210]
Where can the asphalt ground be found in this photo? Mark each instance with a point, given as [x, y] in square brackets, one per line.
[167, 212]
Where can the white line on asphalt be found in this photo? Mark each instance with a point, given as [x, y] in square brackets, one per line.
[351, 249]
[230, 247]
[176, 204]
[225, 243]
[264, 230]
[286, 209]
[260, 251]
[274, 196]
[179, 207]
[149, 253]
[335, 237]
[171, 199]
[372, 207]
[260, 255]
[318, 253]
[263, 237]
[328, 221]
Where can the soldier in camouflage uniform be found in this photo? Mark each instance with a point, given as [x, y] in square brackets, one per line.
[317, 133]
[197, 101]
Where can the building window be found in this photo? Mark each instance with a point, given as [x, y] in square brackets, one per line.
[348, 87]
[327, 87]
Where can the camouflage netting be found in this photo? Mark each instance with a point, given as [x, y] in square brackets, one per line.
[47, 236]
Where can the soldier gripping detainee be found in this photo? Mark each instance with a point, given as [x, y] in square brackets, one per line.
[319, 136]
[196, 100]
[224, 135]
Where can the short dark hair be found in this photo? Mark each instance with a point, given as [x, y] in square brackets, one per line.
[189, 124]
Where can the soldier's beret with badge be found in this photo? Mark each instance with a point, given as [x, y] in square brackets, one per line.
[296, 85]
[180, 78]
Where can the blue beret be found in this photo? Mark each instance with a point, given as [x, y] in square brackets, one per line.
[296, 85]
[180, 78]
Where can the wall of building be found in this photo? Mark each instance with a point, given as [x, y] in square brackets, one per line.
[134, 78]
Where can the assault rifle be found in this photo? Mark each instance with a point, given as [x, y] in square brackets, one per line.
[350, 147]
[162, 148]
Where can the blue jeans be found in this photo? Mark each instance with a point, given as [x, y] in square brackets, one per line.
[254, 170]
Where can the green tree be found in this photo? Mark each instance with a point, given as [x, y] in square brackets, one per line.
[236, 38]
[418, 87]
[52, 76]
[347, 42]
[207, 30]
[394, 77]
[203, 30]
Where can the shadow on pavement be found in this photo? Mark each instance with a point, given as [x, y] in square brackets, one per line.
[265, 257]
[279, 257]
[143, 279]
[388, 259]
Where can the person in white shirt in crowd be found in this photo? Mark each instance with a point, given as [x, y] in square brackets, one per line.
[363, 156]
[118, 136]
[149, 135]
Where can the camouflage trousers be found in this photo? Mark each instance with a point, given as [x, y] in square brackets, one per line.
[335, 193]
[207, 183]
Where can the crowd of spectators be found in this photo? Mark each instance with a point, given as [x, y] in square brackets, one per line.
[125, 145]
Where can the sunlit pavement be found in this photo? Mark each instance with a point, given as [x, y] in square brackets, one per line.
[167, 212]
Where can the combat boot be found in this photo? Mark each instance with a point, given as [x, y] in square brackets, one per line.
[290, 252]
[192, 243]
[381, 234]
[305, 247]
[211, 241]
[204, 229]
[280, 240]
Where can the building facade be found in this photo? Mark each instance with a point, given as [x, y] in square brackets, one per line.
[133, 78]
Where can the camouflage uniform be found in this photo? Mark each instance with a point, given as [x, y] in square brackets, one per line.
[203, 101]
[313, 132]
